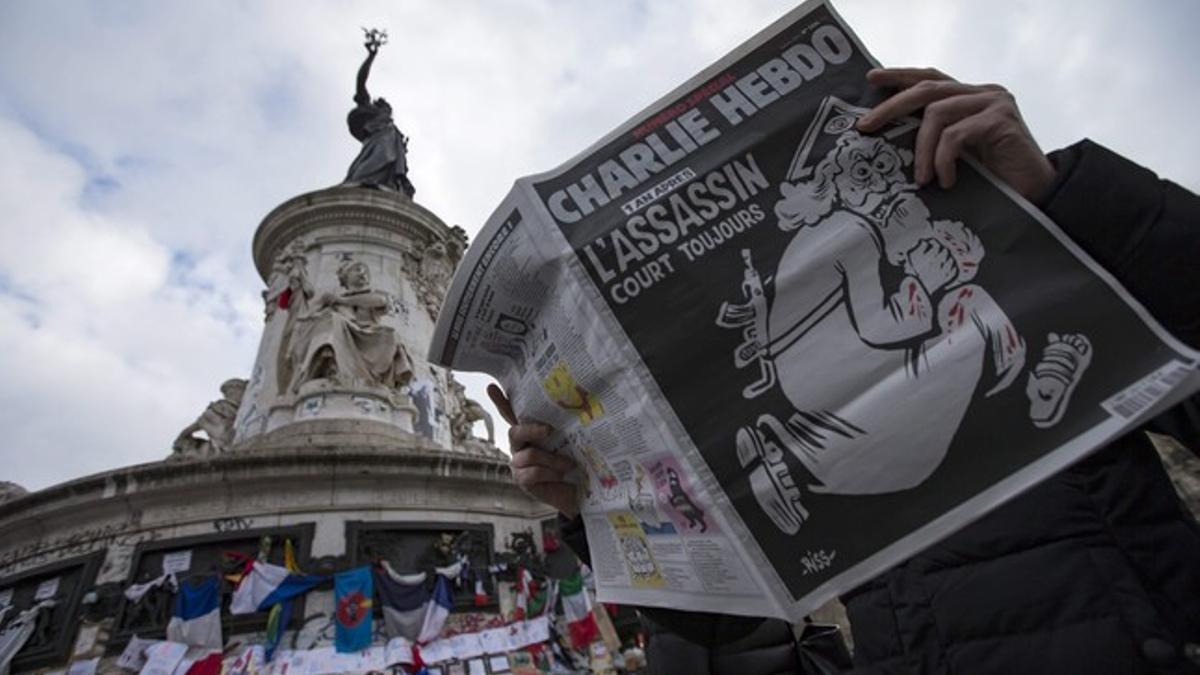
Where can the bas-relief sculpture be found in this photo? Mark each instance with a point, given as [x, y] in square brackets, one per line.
[431, 266]
[383, 161]
[433, 277]
[216, 422]
[337, 338]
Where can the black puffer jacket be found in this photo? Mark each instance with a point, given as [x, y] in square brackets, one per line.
[770, 649]
[1097, 570]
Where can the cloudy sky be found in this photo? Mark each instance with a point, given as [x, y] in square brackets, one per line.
[142, 142]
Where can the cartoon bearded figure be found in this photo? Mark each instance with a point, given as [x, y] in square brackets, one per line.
[876, 334]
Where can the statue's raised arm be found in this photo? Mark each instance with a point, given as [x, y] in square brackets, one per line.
[383, 161]
[375, 39]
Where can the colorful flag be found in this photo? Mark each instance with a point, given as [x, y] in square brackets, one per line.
[277, 621]
[281, 612]
[404, 599]
[196, 619]
[266, 585]
[289, 557]
[353, 591]
[577, 610]
[542, 599]
[481, 596]
[525, 588]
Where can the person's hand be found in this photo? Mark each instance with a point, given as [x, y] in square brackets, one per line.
[540, 473]
[932, 264]
[983, 119]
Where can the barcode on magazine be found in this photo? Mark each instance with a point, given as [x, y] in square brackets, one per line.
[1147, 391]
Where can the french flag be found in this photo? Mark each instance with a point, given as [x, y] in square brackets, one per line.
[438, 610]
[266, 585]
[577, 610]
[409, 610]
[196, 618]
[404, 600]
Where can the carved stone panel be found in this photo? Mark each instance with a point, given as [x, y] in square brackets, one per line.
[419, 547]
[62, 586]
[148, 616]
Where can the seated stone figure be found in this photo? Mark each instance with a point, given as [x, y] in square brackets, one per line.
[216, 422]
[340, 339]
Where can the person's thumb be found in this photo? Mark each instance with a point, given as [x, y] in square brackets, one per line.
[502, 403]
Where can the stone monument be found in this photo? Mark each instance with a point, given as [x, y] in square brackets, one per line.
[343, 447]
[355, 276]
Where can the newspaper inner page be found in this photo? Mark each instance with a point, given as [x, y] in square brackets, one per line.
[529, 317]
[781, 365]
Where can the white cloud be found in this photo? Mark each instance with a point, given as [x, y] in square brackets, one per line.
[103, 358]
[141, 143]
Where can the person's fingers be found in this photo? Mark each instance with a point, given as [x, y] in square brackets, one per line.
[913, 99]
[952, 141]
[938, 116]
[528, 476]
[527, 433]
[903, 78]
[503, 405]
[552, 489]
[562, 496]
[527, 457]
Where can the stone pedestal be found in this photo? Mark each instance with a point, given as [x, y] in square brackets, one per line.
[327, 348]
[343, 444]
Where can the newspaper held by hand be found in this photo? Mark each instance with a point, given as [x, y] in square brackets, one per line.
[781, 365]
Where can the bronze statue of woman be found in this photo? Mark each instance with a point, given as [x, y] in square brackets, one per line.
[382, 162]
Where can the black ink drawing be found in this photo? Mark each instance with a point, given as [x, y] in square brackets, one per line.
[1053, 379]
[872, 291]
